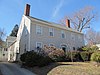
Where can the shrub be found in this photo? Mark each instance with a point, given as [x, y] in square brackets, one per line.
[86, 48]
[45, 61]
[85, 56]
[54, 53]
[94, 48]
[57, 55]
[73, 56]
[32, 58]
[95, 57]
[80, 49]
[22, 57]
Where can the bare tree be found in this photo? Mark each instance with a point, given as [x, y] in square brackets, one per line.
[92, 37]
[2, 34]
[98, 38]
[81, 19]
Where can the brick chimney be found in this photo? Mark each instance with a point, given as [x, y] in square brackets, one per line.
[68, 23]
[27, 10]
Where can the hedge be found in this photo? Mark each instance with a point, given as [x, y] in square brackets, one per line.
[32, 58]
[95, 57]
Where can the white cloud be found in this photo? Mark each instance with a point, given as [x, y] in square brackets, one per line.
[57, 8]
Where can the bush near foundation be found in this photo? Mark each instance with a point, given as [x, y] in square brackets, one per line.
[57, 55]
[94, 48]
[78, 56]
[44, 61]
[85, 56]
[43, 56]
[95, 57]
[73, 56]
[32, 58]
[54, 53]
[89, 48]
[22, 57]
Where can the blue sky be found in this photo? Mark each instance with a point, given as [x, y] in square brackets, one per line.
[11, 11]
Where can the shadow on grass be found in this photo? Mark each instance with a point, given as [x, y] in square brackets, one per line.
[45, 70]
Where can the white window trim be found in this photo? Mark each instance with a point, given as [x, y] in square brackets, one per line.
[37, 43]
[51, 31]
[40, 29]
[63, 44]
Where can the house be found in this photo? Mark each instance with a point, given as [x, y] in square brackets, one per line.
[35, 33]
[3, 52]
[10, 40]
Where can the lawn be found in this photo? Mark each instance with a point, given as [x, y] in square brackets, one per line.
[68, 68]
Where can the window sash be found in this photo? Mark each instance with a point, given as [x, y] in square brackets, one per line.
[51, 31]
[38, 30]
[38, 44]
[62, 34]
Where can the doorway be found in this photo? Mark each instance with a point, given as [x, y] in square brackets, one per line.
[63, 47]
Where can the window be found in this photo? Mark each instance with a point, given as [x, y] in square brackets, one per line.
[51, 31]
[38, 45]
[5, 49]
[38, 29]
[51, 44]
[73, 48]
[62, 34]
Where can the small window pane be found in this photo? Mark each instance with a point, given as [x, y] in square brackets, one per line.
[62, 34]
[38, 45]
[38, 30]
[51, 31]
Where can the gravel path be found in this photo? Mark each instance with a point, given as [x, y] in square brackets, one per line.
[13, 69]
